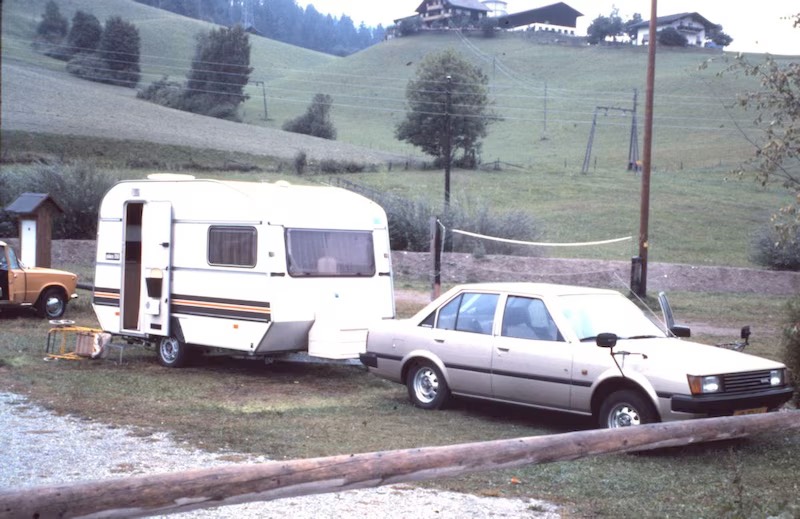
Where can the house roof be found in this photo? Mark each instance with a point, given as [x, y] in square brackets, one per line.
[28, 203]
[665, 20]
[553, 14]
[473, 5]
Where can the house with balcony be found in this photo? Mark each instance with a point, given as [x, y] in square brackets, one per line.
[440, 13]
[558, 18]
[693, 26]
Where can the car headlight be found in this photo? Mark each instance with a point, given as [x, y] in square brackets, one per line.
[777, 377]
[705, 385]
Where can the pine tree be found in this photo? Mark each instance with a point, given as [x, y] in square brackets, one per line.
[220, 70]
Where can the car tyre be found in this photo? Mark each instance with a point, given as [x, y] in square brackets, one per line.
[626, 408]
[427, 387]
[173, 353]
[52, 303]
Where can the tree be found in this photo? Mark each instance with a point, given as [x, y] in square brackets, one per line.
[719, 38]
[85, 33]
[629, 29]
[670, 37]
[777, 153]
[316, 121]
[119, 49]
[603, 27]
[220, 70]
[54, 25]
[433, 100]
[116, 60]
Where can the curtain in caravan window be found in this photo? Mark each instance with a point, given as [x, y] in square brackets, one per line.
[330, 253]
[234, 246]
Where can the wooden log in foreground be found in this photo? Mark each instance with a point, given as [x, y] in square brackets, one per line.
[204, 488]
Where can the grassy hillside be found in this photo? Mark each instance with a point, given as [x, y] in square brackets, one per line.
[693, 124]
[167, 39]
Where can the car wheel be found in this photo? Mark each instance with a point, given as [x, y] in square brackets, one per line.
[626, 408]
[52, 303]
[172, 353]
[426, 386]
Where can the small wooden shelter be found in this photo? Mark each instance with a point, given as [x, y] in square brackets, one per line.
[35, 214]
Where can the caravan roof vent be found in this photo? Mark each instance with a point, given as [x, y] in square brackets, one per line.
[170, 176]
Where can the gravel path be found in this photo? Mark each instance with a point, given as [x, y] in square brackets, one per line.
[39, 448]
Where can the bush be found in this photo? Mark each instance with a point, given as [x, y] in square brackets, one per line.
[791, 343]
[410, 222]
[333, 167]
[316, 121]
[670, 37]
[78, 189]
[164, 92]
[300, 162]
[770, 250]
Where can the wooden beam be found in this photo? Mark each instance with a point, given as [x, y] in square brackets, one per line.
[204, 488]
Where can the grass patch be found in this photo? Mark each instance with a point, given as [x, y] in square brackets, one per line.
[289, 410]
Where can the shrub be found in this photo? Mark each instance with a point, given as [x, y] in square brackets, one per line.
[332, 167]
[410, 222]
[78, 189]
[771, 250]
[164, 92]
[670, 37]
[316, 121]
[300, 162]
[791, 343]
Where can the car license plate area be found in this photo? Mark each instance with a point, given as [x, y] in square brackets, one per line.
[755, 410]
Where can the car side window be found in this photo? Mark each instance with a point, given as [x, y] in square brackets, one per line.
[476, 313]
[448, 314]
[528, 318]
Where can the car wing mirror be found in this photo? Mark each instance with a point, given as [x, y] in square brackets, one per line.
[606, 340]
[677, 330]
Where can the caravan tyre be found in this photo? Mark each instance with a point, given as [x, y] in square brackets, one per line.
[172, 353]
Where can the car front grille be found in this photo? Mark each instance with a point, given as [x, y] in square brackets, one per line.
[744, 382]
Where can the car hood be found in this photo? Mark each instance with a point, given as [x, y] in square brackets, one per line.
[692, 357]
[50, 272]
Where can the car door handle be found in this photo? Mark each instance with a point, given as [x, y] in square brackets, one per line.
[504, 350]
[438, 340]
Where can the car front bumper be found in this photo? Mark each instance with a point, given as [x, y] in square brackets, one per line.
[725, 404]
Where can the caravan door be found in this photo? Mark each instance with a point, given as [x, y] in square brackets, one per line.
[156, 271]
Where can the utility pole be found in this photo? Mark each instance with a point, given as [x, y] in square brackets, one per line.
[264, 94]
[639, 282]
[447, 147]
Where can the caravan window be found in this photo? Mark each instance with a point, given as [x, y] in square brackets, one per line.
[234, 246]
[329, 253]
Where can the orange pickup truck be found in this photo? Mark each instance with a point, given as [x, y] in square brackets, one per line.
[46, 290]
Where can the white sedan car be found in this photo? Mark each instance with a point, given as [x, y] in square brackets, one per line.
[574, 349]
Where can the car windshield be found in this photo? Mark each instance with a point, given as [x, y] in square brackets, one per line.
[592, 314]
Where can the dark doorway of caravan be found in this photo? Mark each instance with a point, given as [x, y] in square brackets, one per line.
[132, 267]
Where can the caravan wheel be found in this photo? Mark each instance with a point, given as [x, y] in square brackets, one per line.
[172, 353]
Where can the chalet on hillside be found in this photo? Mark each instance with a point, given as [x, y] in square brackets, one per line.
[694, 27]
[557, 17]
[438, 13]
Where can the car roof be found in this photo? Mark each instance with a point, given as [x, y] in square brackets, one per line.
[538, 289]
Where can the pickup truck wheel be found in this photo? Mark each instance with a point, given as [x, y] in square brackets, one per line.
[52, 303]
[427, 387]
[626, 408]
[172, 353]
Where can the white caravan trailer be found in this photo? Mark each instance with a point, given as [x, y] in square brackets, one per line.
[244, 268]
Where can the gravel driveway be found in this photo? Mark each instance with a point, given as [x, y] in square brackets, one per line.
[41, 448]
